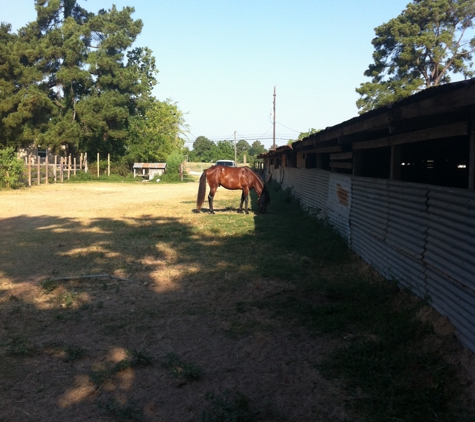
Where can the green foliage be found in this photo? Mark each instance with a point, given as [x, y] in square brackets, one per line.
[11, 168]
[172, 174]
[203, 148]
[256, 149]
[122, 411]
[73, 78]
[182, 370]
[228, 407]
[154, 135]
[418, 49]
[242, 148]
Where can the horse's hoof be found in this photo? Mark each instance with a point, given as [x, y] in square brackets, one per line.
[239, 211]
[247, 212]
[211, 212]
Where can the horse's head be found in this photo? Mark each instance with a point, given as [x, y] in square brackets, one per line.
[263, 200]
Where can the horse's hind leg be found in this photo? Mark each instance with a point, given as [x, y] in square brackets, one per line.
[210, 200]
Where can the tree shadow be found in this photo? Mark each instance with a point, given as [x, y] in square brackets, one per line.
[97, 347]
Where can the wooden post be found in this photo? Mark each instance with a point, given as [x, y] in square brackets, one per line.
[395, 171]
[55, 168]
[181, 172]
[39, 169]
[61, 169]
[85, 163]
[74, 167]
[108, 164]
[97, 164]
[46, 167]
[471, 162]
[69, 166]
[29, 170]
[80, 162]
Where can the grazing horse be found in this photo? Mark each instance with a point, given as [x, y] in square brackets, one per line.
[232, 178]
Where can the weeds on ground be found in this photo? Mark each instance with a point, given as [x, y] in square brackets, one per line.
[388, 368]
[122, 411]
[182, 370]
[134, 360]
[228, 407]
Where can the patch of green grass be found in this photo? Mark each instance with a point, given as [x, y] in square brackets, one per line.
[122, 411]
[20, 347]
[182, 370]
[135, 359]
[388, 372]
[73, 353]
[48, 286]
[228, 407]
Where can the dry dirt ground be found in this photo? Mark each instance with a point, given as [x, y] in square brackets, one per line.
[154, 340]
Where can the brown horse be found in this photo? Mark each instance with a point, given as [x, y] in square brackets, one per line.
[232, 178]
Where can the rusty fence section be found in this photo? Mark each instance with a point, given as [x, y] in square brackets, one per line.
[419, 235]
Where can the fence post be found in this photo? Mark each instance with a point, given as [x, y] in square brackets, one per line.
[108, 164]
[38, 169]
[85, 163]
[80, 162]
[54, 167]
[46, 167]
[69, 166]
[98, 164]
[61, 169]
[29, 170]
[74, 167]
[181, 172]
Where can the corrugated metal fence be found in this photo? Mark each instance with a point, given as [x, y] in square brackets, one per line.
[422, 236]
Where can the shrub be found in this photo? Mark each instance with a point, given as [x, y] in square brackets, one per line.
[11, 168]
[172, 174]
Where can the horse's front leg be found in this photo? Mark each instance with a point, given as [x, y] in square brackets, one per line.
[244, 198]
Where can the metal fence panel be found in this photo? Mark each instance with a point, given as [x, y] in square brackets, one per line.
[370, 206]
[309, 185]
[339, 203]
[451, 234]
[422, 236]
[454, 300]
[407, 218]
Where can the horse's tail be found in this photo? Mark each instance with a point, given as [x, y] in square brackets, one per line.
[201, 191]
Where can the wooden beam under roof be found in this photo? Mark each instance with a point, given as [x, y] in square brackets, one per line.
[446, 131]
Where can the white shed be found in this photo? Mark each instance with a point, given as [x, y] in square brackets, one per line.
[149, 170]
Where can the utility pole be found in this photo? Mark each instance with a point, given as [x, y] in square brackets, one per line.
[273, 138]
[235, 156]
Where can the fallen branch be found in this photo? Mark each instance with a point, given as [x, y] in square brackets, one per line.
[91, 276]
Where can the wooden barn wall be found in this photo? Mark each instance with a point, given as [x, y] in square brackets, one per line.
[422, 236]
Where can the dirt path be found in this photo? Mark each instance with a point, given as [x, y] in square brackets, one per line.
[152, 347]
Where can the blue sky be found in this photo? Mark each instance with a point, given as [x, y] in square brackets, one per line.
[220, 60]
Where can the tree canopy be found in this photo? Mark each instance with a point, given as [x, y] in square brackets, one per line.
[205, 150]
[422, 47]
[74, 78]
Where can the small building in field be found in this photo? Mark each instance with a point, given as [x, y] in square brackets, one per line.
[149, 170]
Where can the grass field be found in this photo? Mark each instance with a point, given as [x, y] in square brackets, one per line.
[119, 302]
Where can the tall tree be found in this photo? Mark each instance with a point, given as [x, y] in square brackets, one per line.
[24, 103]
[256, 148]
[203, 147]
[73, 78]
[242, 148]
[420, 48]
[156, 135]
[224, 150]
